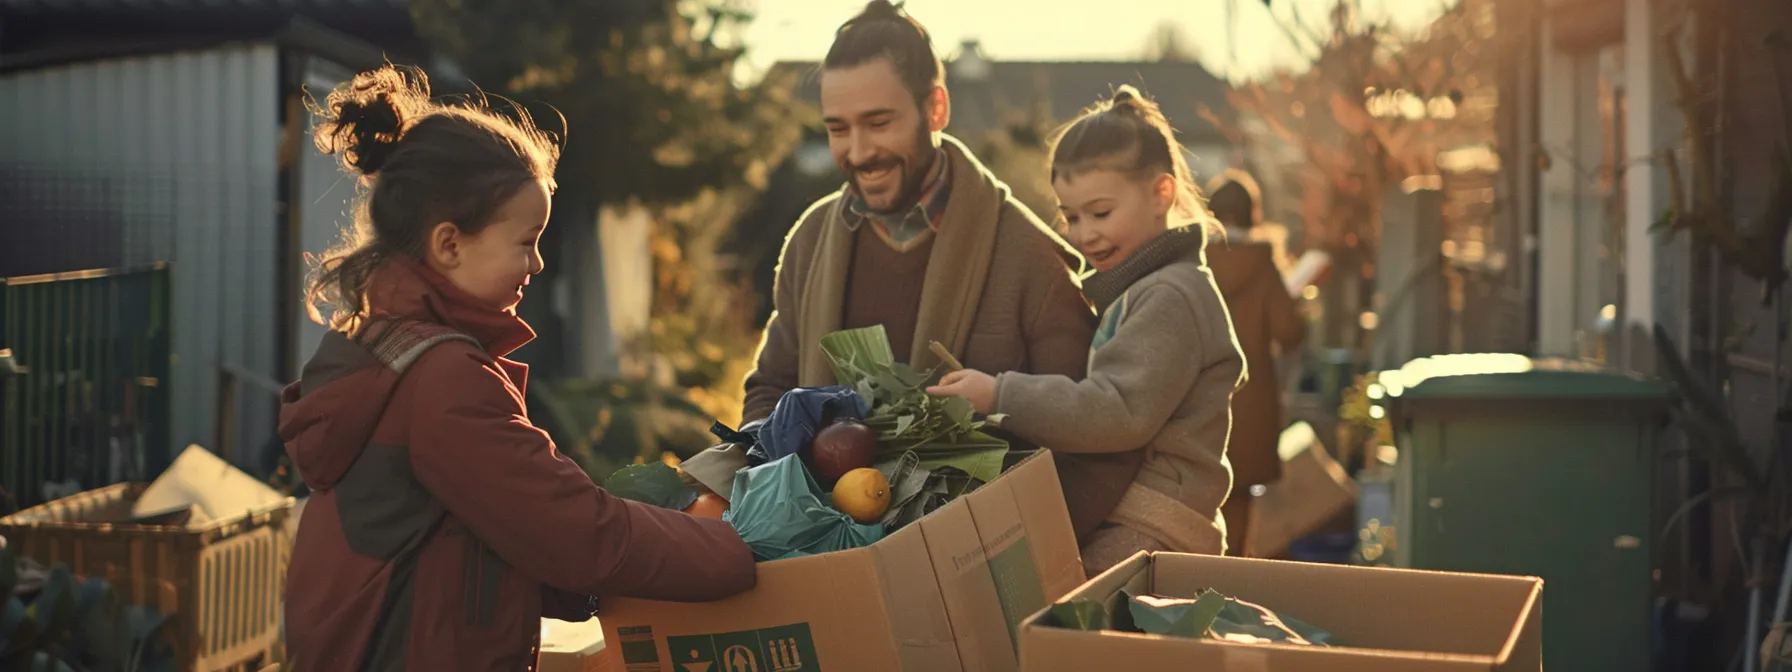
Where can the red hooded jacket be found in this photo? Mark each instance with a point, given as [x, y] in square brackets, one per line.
[442, 525]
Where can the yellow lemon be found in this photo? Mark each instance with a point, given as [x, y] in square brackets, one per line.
[863, 494]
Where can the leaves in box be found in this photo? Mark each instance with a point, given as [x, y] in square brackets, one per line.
[653, 483]
[1086, 615]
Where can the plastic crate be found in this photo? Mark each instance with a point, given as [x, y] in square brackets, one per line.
[220, 584]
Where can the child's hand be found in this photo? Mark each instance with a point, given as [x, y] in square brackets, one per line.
[975, 386]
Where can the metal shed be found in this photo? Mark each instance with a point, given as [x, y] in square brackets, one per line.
[131, 135]
[169, 157]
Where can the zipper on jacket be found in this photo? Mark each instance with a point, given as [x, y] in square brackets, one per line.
[482, 575]
[469, 577]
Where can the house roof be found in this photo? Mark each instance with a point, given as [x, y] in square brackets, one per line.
[65, 6]
[41, 33]
[985, 93]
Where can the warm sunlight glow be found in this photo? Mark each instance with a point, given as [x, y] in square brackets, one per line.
[1067, 30]
[1474, 364]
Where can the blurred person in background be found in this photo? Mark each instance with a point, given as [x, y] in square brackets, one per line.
[1268, 323]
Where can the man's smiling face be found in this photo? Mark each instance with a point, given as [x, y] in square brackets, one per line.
[877, 133]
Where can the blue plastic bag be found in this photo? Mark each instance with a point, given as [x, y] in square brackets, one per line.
[801, 413]
[780, 512]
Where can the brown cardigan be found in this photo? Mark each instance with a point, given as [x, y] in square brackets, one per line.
[1264, 316]
[999, 293]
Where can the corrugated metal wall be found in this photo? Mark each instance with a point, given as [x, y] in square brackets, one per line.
[325, 199]
[167, 157]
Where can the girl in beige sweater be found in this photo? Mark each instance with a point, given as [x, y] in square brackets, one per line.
[1164, 362]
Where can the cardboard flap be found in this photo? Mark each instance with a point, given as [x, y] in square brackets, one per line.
[1039, 497]
[969, 589]
[914, 604]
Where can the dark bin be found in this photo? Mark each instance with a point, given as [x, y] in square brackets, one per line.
[1545, 473]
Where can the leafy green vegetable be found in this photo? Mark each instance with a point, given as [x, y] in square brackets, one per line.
[932, 450]
[53, 622]
[858, 354]
[978, 455]
[1176, 617]
[1086, 615]
[1215, 616]
[653, 483]
[903, 414]
[1246, 621]
[9, 572]
[54, 607]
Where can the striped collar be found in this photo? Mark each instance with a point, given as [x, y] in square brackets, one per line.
[903, 227]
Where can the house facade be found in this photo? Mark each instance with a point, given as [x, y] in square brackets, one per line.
[1651, 144]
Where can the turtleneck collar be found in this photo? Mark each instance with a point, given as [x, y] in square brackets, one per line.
[1103, 288]
[407, 289]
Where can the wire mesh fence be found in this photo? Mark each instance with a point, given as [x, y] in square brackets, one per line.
[84, 395]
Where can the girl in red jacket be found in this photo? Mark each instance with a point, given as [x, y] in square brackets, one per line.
[442, 524]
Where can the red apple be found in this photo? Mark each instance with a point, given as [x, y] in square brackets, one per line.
[842, 447]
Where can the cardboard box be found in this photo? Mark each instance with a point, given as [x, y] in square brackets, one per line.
[571, 647]
[206, 488]
[944, 594]
[1394, 620]
[1313, 490]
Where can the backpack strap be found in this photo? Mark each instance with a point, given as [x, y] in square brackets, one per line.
[398, 344]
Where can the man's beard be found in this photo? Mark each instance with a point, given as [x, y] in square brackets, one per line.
[915, 169]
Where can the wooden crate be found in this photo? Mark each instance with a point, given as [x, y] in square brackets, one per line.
[221, 584]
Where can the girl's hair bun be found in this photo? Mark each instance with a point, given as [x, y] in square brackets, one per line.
[882, 9]
[1128, 99]
[364, 119]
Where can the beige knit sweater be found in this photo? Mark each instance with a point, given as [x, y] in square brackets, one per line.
[1162, 370]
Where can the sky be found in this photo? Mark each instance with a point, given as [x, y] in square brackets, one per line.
[1055, 30]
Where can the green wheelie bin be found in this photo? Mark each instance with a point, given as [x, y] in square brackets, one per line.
[1507, 466]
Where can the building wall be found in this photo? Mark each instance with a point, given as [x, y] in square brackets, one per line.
[1746, 336]
[177, 153]
[325, 196]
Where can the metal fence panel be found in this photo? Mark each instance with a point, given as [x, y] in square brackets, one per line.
[89, 406]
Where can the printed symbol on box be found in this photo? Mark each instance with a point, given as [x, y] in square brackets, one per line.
[788, 648]
[700, 665]
[693, 654]
[639, 654]
[738, 658]
[1019, 590]
[784, 655]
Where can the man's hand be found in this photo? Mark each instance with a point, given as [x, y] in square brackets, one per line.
[975, 386]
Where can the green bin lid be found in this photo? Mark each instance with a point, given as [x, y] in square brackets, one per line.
[1501, 376]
